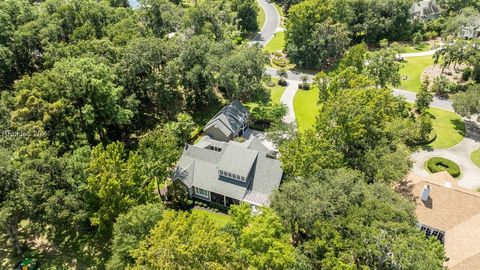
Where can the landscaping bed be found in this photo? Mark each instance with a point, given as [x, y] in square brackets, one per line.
[439, 164]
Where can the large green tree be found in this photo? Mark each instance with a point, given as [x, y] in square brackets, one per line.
[117, 182]
[76, 102]
[340, 222]
[185, 241]
[129, 230]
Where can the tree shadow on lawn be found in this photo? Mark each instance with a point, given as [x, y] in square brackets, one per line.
[459, 126]
[472, 130]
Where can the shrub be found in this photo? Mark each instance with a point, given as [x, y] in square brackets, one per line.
[417, 38]
[431, 34]
[282, 82]
[438, 164]
[304, 86]
[443, 87]
[278, 54]
[280, 62]
[467, 73]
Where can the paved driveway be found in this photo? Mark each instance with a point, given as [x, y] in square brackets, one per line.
[287, 99]
[460, 153]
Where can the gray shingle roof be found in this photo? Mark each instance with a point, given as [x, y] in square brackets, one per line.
[198, 166]
[237, 160]
[230, 118]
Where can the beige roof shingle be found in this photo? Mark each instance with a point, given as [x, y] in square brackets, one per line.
[454, 210]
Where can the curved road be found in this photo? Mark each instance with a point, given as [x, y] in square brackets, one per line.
[272, 22]
[459, 153]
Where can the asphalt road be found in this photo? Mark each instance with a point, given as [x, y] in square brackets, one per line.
[272, 22]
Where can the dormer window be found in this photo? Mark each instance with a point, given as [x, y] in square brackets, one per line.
[232, 175]
[214, 148]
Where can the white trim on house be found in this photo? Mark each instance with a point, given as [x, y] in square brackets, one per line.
[202, 193]
[431, 232]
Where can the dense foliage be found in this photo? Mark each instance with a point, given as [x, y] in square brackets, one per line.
[324, 28]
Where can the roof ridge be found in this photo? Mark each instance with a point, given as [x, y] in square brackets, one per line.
[456, 188]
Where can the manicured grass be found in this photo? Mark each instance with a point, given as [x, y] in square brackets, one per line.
[219, 218]
[412, 70]
[276, 43]
[475, 157]
[260, 16]
[449, 126]
[276, 91]
[305, 105]
[282, 15]
[425, 46]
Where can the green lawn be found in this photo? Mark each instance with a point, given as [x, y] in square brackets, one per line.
[475, 157]
[282, 15]
[425, 46]
[276, 91]
[412, 70]
[449, 126]
[305, 106]
[260, 16]
[276, 43]
[219, 218]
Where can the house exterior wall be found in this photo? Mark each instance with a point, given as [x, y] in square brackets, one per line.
[216, 134]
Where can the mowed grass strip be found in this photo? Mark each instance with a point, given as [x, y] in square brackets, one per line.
[449, 126]
[305, 105]
[276, 91]
[219, 218]
[412, 70]
[276, 43]
[260, 16]
[475, 157]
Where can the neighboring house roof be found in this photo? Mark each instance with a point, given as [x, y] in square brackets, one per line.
[229, 119]
[454, 210]
[423, 9]
[199, 164]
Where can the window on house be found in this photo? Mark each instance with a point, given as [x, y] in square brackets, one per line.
[429, 232]
[242, 178]
[201, 192]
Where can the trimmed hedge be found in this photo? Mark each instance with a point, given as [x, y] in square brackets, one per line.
[280, 62]
[438, 164]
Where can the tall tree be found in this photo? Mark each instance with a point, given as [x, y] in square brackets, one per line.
[129, 230]
[340, 222]
[185, 241]
[116, 182]
[424, 97]
[246, 14]
[76, 102]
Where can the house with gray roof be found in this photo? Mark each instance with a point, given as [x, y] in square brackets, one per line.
[229, 122]
[472, 30]
[425, 10]
[229, 172]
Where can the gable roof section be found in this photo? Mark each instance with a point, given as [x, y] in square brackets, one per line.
[229, 119]
[198, 166]
[447, 206]
[454, 210]
[425, 8]
[237, 160]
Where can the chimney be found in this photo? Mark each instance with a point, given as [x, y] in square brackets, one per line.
[425, 193]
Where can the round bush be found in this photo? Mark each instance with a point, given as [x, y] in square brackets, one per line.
[282, 82]
[438, 164]
[280, 62]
